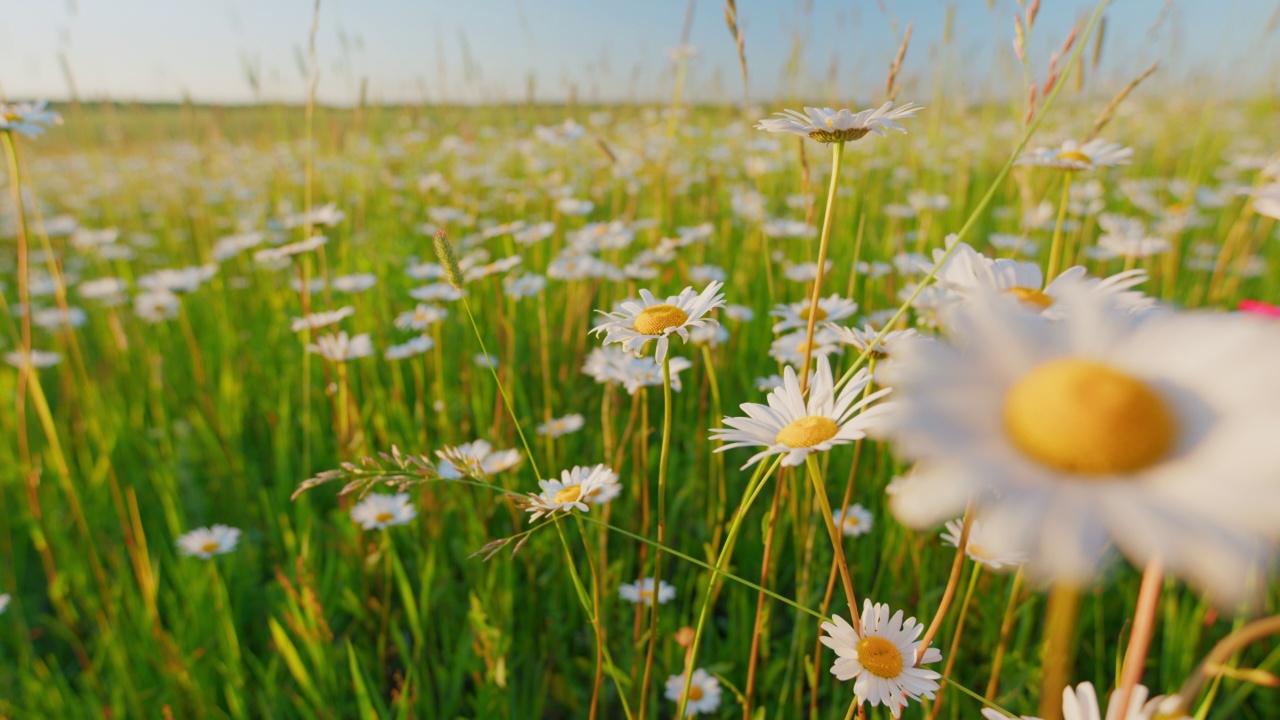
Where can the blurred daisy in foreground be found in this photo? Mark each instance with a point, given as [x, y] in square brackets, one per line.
[827, 125]
[28, 119]
[796, 315]
[1071, 155]
[1155, 433]
[575, 488]
[856, 521]
[796, 426]
[561, 426]
[204, 543]
[641, 591]
[879, 658]
[1081, 703]
[636, 323]
[378, 511]
[4, 602]
[704, 692]
[474, 458]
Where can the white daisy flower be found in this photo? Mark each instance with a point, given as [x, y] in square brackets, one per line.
[1074, 156]
[789, 349]
[378, 511]
[4, 602]
[827, 125]
[1155, 433]
[704, 692]
[1081, 703]
[879, 658]
[796, 426]
[35, 358]
[204, 543]
[342, 347]
[742, 313]
[641, 592]
[322, 319]
[796, 315]
[562, 426]
[1266, 200]
[156, 306]
[767, 383]
[977, 549]
[353, 284]
[967, 272]
[857, 521]
[28, 119]
[421, 317]
[409, 348]
[862, 339]
[575, 488]
[639, 322]
[474, 458]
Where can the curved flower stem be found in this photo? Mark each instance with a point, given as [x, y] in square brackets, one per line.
[1225, 648]
[1006, 629]
[952, 583]
[1057, 655]
[1055, 250]
[837, 152]
[954, 647]
[506, 401]
[1144, 620]
[837, 543]
[662, 525]
[754, 486]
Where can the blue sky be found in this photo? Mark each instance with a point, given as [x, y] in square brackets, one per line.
[605, 50]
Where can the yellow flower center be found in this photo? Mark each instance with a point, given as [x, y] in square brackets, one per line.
[831, 123]
[384, 517]
[695, 693]
[1080, 416]
[803, 347]
[569, 494]
[655, 319]
[852, 521]
[811, 310]
[1030, 296]
[646, 596]
[880, 657]
[210, 546]
[1179, 208]
[807, 431]
[1075, 156]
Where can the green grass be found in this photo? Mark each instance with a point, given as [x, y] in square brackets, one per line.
[207, 419]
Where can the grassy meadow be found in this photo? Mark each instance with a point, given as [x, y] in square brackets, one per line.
[182, 396]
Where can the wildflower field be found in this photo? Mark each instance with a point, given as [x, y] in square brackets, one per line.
[936, 406]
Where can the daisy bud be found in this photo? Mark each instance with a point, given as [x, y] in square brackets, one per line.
[448, 259]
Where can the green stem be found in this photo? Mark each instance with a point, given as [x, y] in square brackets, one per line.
[533, 462]
[662, 524]
[1055, 250]
[837, 541]
[837, 152]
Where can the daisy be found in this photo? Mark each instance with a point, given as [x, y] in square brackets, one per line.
[796, 315]
[353, 284]
[410, 348]
[574, 489]
[827, 125]
[704, 692]
[421, 317]
[967, 272]
[379, 511]
[879, 657]
[322, 319]
[156, 305]
[1266, 201]
[795, 426]
[557, 427]
[527, 285]
[474, 458]
[1074, 156]
[977, 549]
[204, 543]
[641, 591]
[341, 347]
[1081, 703]
[857, 521]
[639, 322]
[283, 252]
[1155, 433]
[4, 602]
[28, 119]
[789, 349]
[35, 358]
[862, 339]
